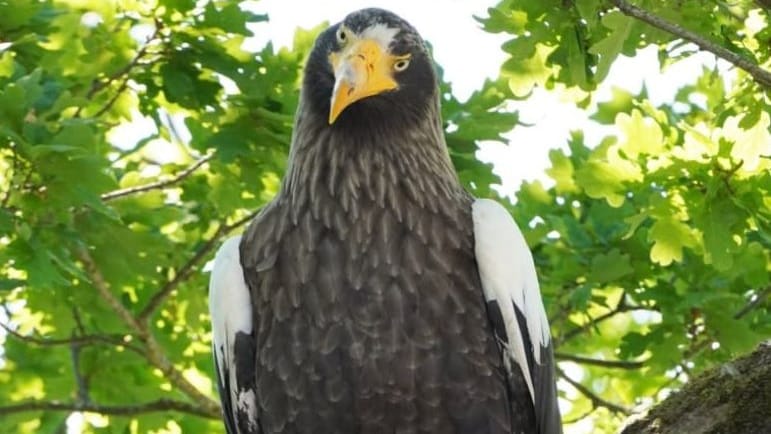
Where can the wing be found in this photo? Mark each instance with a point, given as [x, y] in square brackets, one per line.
[514, 303]
[233, 341]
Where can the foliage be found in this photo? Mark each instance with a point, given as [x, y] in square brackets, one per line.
[652, 245]
[135, 136]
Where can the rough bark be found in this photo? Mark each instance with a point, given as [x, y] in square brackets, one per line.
[734, 398]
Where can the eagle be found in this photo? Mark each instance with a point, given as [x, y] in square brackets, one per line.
[374, 294]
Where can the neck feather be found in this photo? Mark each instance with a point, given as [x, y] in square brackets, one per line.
[384, 167]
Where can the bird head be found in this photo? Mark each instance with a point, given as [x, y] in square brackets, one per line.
[371, 67]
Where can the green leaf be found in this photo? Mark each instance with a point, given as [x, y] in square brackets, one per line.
[602, 180]
[9, 284]
[733, 334]
[611, 46]
[527, 67]
[719, 224]
[669, 237]
[633, 345]
[621, 101]
[642, 135]
[561, 172]
[610, 267]
[229, 18]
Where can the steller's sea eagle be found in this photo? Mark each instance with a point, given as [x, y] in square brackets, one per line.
[374, 294]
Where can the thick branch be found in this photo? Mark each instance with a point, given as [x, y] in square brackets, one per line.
[103, 288]
[112, 410]
[761, 76]
[621, 364]
[158, 184]
[185, 270]
[154, 353]
[594, 398]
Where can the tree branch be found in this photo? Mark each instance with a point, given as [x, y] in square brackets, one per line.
[108, 105]
[621, 307]
[157, 185]
[81, 382]
[754, 302]
[761, 76]
[97, 85]
[621, 364]
[154, 353]
[765, 4]
[111, 410]
[594, 398]
[114, 340]
[185, 270]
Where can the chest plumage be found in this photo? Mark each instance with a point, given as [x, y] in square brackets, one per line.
[368, 307]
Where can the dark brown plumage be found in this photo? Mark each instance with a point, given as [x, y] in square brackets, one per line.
[368, 311]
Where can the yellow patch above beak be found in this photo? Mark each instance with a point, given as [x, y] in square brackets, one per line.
[362, 69]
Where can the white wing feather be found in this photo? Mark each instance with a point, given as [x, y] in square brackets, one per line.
[507, 272]
[231, 313]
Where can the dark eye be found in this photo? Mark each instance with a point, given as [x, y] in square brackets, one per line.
[342, 35]
[401, 64]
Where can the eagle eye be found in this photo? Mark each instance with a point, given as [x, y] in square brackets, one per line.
[401, 64]
[342, 35]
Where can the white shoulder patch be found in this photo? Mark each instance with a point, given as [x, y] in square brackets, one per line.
[381, 33]
[231, 313]
[229, 301]
[508, 276]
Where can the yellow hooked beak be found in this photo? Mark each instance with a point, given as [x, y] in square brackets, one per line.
[362, 69]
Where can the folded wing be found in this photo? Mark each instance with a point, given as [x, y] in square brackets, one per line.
[233, 340]
[515, 307]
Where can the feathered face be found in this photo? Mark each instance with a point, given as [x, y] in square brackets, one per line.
[372, 68]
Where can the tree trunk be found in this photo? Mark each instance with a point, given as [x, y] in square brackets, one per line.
[734, 398]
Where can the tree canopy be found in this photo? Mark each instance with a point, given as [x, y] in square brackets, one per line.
[136, 136]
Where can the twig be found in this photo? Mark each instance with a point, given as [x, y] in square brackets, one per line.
[112, 410]
[621, 364]
[759, 298]
[80, 381]
[114, 340]
[579, 417]
[154, 353]
[620, 308]
[108, 105]
[96, 86]
[761, 76]
[158, 184]
[185, 270]
[596, 400]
